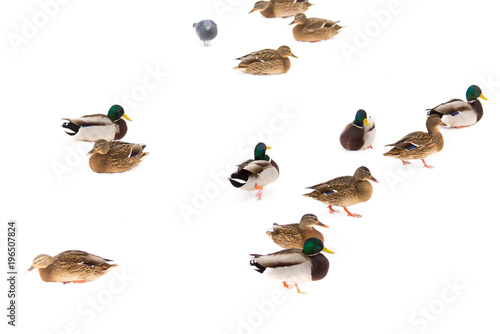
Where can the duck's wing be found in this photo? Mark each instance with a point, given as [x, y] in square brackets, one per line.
[258, 166]
[452, 107]
[87, 120]
[75, 256]
[260, 56]
[332, 186]
[416, 138]
[316, 23]
[284, 258]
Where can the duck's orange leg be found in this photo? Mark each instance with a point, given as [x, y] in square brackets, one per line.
[298, 290]
[426, 165]
[286, 285]
[355, 215]
[259, 192]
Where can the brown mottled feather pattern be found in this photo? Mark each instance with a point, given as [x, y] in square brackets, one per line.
[347, 191]
[291, 236]
[427, 142]
[75, 266]
[119, 158]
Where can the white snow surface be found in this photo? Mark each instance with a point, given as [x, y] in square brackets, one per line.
[424, 256]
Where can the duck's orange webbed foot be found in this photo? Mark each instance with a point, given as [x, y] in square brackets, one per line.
[332, 210]
[406, 162]
[355, 215]
[259, 192]
[426, 165]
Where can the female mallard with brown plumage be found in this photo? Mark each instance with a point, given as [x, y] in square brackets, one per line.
[98, 126]
[256, 173]
[71, 267]
[267, 61]
[115, 156]
[294, 235]
[295, 265]
[419, 144]
[281, 8]
[457, 113]
[314, 29]
[345, 191]
[359, 134]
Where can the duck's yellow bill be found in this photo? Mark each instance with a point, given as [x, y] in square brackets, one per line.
[366, 122]
[482, 96]
[126, 117]
[327, 250]
[268, 147]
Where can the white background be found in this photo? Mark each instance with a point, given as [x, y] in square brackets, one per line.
[181, 234]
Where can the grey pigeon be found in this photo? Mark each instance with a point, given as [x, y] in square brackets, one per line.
[206, 30]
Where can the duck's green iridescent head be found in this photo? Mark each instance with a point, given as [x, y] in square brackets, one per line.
[361, 117]
[314, 246]
[473, 93]
[116, 112]
[260, 152]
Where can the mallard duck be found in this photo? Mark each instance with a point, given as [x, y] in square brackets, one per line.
[256, 173]
[98, 126]
[294, 235]
[314, 29]
[419, 145]
[345, 191]
[115, 156]
[267, 61]
[359, 134]
[457, 113]
[71, 267]
[281, 8]
[206, 30]
[295, 265]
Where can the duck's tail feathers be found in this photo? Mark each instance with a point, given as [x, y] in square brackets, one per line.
[434, 112]
[257, 266]
[239, 179]
[71, 126]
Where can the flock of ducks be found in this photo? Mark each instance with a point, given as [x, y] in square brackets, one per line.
[301, 259]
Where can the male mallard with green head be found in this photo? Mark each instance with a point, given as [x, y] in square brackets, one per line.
[267, 61]
[294, 235]
[359, 134]
[345, 191]
[314, 29]
[281, 8]
[256, 173]
[115, 156]
[418, 144]
[71, 267]
[98, 126]
[295, 265]
[457, 113]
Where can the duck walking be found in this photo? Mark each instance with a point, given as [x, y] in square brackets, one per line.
[314, 29]
[72, 266]
[345, 191]
[294, 235]
[281, 8]
[295, 265]
[419, 144]
[267, 61]
[457, 113]
[98, 126]
[115, 156]
[256, 173]
[359, 134]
